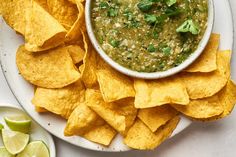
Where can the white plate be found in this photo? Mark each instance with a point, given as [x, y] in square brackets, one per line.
[23, 91]
[37, 132]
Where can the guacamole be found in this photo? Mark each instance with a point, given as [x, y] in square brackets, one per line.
[149, 35]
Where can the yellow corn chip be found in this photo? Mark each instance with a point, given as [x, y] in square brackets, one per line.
[113, 85]
[75, 31]
[202, 85]
[201, 108]
[82, 120]
[227, 98]
[81, 68]
[115, 114]
[156, 117]
[76, 53]
[88, 74]
[13, 12]
[159, 92]
[103, 134]
[126, 107]
[43, 3]
[43, 31]
[141, 137]
[65, 12]
[86, 123]
[40, 109]
[51, 69]
[207, 61]
[72, 1]
[60, 101]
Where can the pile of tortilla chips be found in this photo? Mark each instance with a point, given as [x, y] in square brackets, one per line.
[72, 81]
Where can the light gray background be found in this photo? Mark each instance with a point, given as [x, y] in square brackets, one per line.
[215, 139]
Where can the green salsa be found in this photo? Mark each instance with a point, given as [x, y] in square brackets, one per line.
[149, 35]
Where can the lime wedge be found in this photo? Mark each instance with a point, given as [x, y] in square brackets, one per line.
[1, 126]
[35, 149]
[5, 153]
[18, 123]
[14, 141]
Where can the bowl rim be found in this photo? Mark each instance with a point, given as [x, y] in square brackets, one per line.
[153, 75]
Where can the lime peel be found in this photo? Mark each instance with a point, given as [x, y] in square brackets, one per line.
[35, 148]
[14, 141]
[18, 123]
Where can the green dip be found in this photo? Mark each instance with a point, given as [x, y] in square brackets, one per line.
[149, 35]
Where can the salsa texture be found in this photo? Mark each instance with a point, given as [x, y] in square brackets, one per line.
[149, 35]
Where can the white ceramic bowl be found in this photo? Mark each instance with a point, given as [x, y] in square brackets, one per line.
[154, 75]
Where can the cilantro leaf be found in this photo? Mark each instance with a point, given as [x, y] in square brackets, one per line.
[145, 5]
[170, 2]
[188, 26]
[151, 19]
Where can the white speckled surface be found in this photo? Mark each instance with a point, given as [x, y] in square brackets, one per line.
[216, 139]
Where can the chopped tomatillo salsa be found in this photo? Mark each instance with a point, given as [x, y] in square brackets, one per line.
[149, 35]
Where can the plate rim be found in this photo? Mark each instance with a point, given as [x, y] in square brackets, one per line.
[52, 147]
[101, 150]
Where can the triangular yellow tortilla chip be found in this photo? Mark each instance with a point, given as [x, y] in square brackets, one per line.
[65, 12]
[43, 3]
[157, 116]
[113, 85]
[86, 123]
[120, 116]
[202, 85]
[159, 92]
[82, 120]
[141, 137]
[60, 101]
[75, 31]
[76, 53]
[227, 99]
[43, 31]
[51, 69]
[207, 61]
[13, 12]
[201, 108]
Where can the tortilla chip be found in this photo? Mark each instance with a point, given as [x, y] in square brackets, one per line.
[201, 108]
[40, 109]
[86, 123]
[75, 31]
[51, 69]
[152, 93]
[156, 117]
[103, 134]
[74, 1]
[43, 3]
[115, 114]
[60, 101]
[227, 97]
[113, 85]
[88, 74]
[202, 85]
[13, 12]
[126, 108]
[43, 31]
[76, 53]
[81, 68]
[207, 61]
[141, 137]
[82, 120]
[65, 12]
